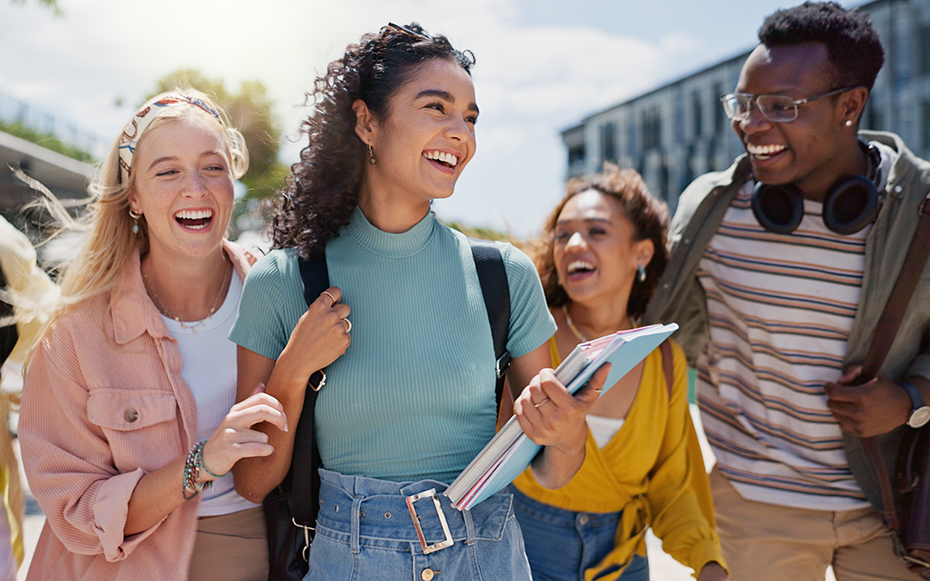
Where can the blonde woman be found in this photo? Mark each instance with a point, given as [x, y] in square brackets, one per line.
[127, 433]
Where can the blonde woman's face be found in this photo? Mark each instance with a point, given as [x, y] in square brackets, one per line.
[183, 187]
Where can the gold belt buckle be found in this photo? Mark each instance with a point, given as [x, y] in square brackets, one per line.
[447, 542]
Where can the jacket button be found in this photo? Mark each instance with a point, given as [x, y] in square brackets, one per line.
[427, 574]
[131, 415]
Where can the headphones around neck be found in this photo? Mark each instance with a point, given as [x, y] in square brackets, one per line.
[849, 206]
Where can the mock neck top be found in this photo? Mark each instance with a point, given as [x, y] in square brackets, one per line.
[413, 397]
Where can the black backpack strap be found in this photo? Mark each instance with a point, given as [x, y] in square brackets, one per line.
[305, 463]
[496, 291]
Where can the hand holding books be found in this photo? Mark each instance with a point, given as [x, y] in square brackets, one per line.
[511, 451]
[553, 417]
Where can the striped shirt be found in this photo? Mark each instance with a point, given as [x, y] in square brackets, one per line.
[780, 307]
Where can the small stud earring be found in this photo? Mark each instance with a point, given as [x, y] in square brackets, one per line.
[641, 273]
[372, 160]
[849, 123]
[135, 221]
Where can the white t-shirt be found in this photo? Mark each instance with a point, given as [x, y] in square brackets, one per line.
[209, 369]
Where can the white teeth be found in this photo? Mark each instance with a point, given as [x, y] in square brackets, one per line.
[576, 265]
[194, 214]
[442, 156]
[764, 149]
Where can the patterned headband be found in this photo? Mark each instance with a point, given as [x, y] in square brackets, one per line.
[144, 117]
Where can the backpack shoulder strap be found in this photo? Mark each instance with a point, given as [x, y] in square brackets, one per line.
[306, 461]
[496, 291]
[668, 365]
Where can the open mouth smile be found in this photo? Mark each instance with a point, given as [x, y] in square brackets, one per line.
[194, 219]
[579, 269]
[764, 152]
[443, 159]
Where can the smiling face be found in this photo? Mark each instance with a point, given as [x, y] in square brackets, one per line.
[596, 253]
[426, 138]
[813, 151]
[183, 186]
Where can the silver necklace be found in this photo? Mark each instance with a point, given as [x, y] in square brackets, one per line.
[164, 310]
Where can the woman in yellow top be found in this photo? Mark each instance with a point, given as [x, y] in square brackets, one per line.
[603, 251]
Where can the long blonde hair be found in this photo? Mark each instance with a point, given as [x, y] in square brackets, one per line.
[109, 238]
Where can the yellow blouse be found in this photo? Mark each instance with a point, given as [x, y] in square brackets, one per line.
[652, 470]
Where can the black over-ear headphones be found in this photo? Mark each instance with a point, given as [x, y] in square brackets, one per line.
[849, 206]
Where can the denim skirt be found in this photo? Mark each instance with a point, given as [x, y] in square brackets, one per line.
[365, 530]
[561, 544]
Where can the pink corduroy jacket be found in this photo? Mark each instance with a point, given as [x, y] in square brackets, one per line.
[103, 404]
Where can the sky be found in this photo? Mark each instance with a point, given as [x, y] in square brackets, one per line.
[542, 66]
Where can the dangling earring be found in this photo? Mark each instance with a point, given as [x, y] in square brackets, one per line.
[135, 221]
[641, 273]
[372, 160]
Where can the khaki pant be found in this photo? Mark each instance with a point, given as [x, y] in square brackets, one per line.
[764, 542]
[231, 547]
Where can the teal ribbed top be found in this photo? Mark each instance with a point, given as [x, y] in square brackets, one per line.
[413, 396]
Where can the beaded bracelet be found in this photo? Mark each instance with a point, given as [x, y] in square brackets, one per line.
[192, 482]
[203, 465]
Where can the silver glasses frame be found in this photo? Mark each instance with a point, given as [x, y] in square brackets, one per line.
[734, 98]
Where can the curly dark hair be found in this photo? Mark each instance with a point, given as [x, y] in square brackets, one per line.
[322, 191]
[852, 44]
[648, 215]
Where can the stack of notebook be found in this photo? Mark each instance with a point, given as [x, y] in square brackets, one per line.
[510, 451]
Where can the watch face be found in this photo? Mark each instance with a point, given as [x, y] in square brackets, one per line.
[919, 417]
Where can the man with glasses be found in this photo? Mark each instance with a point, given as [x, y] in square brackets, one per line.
[780, 268]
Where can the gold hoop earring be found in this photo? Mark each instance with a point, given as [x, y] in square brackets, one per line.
[372, 160]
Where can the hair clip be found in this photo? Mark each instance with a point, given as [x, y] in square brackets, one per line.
[413, 33]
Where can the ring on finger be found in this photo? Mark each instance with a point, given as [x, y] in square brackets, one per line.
[330, 296]
[540, 404]
[348, 325]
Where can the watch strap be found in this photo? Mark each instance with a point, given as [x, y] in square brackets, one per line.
[917, 400]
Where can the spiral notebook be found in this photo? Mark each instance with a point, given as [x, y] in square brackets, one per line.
[510, 452]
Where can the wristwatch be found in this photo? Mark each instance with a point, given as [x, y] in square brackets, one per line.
[920, 414]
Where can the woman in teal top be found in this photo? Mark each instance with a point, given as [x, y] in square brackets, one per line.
[411, 401]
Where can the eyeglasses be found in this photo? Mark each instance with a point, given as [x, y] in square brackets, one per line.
[775, 108]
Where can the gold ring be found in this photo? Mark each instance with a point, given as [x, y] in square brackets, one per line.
[348, 325]
[540, 404]
[330, 296]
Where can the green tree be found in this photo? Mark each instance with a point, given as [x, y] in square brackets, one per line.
[249, 111]
[50, 4]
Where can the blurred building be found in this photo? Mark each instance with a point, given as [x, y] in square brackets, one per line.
[679, 131]
[64, 175]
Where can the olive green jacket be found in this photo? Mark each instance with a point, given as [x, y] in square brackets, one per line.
[680, 298]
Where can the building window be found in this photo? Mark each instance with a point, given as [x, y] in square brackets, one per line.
[652, 129]
[720, 118]
[576, 160]
[925, 111]
[696, 114]
[608, 150]
[923, 49]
